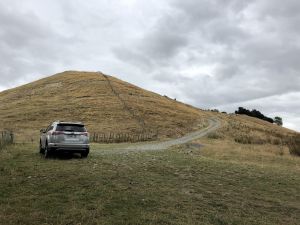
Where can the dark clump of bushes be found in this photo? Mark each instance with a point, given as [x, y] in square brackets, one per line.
[249, 139]
[6, 138]
[215, 135]
[254, 113]
[294, 145]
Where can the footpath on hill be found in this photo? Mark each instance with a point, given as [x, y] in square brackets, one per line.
[214, 124]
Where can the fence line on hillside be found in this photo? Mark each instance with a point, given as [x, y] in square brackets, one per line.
[97, 137]
[130, 110]
[123, 137]
[6, 138]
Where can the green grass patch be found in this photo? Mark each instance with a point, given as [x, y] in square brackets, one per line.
[170, 187]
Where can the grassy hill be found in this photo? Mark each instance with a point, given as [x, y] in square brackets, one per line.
[248, 130]
[243, 173]
[108, 105]
[104, 103]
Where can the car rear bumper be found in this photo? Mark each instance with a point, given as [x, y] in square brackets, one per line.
[69, 147]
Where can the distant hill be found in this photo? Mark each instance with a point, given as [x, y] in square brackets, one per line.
[104, 103]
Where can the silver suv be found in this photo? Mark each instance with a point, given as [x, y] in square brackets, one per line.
[65, 137]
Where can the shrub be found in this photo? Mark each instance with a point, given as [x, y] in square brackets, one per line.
[214, 135]
[249, 139]
[276, 141]
[254, 113]
[242, 139]
[294, 145]
[278, 120]
[6, 138]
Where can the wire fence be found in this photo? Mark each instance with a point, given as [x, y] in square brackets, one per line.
[6, 138]
[122, 137]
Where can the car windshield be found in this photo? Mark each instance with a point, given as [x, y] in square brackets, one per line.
[70, 127]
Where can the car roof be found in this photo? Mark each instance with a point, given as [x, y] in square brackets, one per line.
[65, 122]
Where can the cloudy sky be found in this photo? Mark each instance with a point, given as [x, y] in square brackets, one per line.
[209, 53]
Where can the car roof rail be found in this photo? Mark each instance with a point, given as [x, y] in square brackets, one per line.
[70, 122]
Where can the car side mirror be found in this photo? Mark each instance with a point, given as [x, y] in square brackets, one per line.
[43, 130]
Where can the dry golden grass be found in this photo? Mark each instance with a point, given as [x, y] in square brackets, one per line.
[259, 155]
[248, 130]
[89, 97]
[294, 145]
[106, 104]
[249, 140]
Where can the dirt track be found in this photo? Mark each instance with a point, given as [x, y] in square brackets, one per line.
[214, 124]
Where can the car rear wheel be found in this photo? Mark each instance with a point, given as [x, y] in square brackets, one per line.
[41, 148]
[47, 152]
[85, 154]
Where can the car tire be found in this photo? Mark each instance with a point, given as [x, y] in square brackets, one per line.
[47, 152]
[41, 148]
[85, 154]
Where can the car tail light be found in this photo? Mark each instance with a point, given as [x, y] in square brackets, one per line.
[85, 134]
[57, 132]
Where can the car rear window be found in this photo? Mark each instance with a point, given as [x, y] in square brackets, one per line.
[70, 127]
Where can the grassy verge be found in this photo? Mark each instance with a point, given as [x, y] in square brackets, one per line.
[184, 185]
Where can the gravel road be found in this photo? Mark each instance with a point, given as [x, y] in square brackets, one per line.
[214, 124]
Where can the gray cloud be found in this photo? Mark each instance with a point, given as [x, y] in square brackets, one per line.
[274, 105]
[28, 45]
[208, 53]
